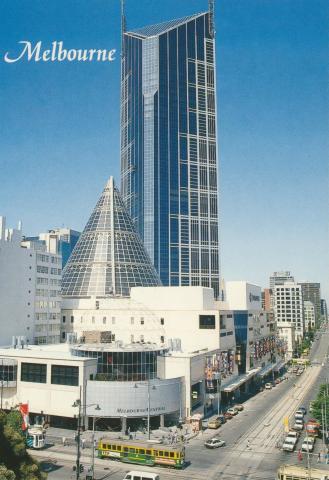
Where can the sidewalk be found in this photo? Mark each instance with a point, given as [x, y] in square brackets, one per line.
[167, 436]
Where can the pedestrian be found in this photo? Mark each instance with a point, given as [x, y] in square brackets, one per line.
[248, 443]
[319, 458]
[129, 431]
[83, 441]
[64, 441]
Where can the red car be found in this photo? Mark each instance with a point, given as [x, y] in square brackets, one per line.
[228, 416]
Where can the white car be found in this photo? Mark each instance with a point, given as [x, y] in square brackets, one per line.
[215, 443]
[289, 444]
[299, 415]
[293, 434]
[299, 424]
[232, 411]
[308, 444]
[268, 386]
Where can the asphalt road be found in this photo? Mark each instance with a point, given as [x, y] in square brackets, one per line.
[251, 437]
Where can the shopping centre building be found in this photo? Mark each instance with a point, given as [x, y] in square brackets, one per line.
[132, 346]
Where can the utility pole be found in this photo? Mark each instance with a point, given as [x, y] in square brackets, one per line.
[78, 440]
[148, 408]
[2, 380]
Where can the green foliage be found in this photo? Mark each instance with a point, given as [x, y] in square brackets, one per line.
[15, 463]
[320, 406]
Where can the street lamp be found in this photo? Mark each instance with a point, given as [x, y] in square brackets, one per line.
[78, 404]
[148, 405]
[93, 442]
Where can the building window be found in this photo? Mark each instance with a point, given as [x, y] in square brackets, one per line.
[142, 321]
[132, 321]
[72, 319]
[113, 320]
[8, 373]
[104, 320]
[92, 319]
[64, 375]
[34, 372]
[64, 319]
[63, 335]
[97, 305]
[207, 321]
[162, 321]
[162, 339]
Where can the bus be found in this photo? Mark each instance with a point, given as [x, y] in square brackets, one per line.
[149, 454]
[296, 472]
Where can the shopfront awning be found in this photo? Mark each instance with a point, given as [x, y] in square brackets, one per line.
[266, 370]
[238, 381]
[280, 365]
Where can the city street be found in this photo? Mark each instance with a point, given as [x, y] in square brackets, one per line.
[252, 437]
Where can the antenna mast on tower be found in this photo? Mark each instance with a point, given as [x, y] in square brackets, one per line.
[123, 23]
[211, 8]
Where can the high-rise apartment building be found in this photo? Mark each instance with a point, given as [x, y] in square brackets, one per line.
[30, 283]
[168, 146]
[46, 287]
[311, 293]
[288, 307]
[278, 278]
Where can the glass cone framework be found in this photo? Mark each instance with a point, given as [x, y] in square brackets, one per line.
[109, 257]
[168, 147]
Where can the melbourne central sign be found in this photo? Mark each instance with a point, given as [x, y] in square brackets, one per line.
[131, 399]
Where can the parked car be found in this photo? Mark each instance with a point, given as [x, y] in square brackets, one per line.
[228, 416]
[289, 444]
[214, 443]
[293, 434]
[233, 411]
[303, 409]
[214, 422]
[239, 407]
[277, 381]
[299, 424]
[299, 415]
[268, 386]
[308, 444]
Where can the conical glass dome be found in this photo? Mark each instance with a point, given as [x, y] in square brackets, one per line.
[109, 257]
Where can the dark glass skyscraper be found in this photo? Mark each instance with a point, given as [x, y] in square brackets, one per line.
[168, 147]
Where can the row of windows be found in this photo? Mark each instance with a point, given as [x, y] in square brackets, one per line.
[60, 374]
[53, 271]
[46, 258]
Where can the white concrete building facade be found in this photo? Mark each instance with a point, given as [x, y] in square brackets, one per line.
[289, 308]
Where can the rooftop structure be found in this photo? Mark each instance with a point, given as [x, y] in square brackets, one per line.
[109, 257]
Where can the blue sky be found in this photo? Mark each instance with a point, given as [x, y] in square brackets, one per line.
[59, 129]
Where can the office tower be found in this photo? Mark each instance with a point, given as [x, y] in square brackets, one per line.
[288, 307]
[278, 278]
[168, 146]
[109, 257]
[311, 293]
[324, 310]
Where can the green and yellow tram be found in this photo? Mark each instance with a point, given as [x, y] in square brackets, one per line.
[143, 454]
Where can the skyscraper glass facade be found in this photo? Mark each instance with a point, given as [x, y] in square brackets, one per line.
[168, 147]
